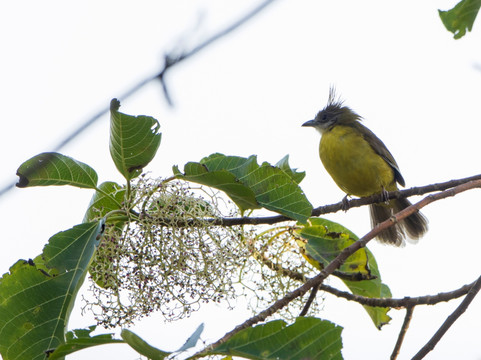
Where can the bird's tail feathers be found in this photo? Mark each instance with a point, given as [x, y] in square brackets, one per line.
[414, 225]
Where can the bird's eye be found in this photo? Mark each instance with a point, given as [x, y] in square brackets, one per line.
[324, 117]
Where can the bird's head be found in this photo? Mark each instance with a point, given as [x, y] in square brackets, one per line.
[335, 113]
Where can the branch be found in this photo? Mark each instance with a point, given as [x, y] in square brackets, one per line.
[405, 302]
[449, 321]
[379, 198]
[270, 220]
[309, 301]
[339, 260]
[402, 333]
[400, 303]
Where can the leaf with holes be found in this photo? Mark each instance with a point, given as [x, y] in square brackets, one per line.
[56, 169]
[134, 141]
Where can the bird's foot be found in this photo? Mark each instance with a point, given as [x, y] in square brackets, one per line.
[345, 203]
[385, 196]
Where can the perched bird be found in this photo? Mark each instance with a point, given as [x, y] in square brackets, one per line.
[361, 165]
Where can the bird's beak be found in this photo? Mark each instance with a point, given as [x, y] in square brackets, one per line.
[310, 123]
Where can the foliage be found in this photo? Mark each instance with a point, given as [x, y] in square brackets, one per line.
[37, 296]
[325, 240]
[168, 245]
[162, 249]
[461, 17]
[252, 186]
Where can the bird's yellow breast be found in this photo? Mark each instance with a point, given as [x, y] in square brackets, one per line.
[353, 164]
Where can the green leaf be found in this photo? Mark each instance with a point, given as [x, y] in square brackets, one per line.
[461, 17]
[35, 304]
[56, 169]
[108, 197]
[80, 339]
[139, 345]
[222, 180]
[283, 164]
[134, 141]
[373, 288]
[323, 251]
[324, 246]
[307, 338]
[251, 186]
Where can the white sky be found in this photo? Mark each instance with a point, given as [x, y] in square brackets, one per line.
[416, 87]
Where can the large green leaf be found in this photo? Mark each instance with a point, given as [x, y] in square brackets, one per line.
[461, 17]
[134, 140]
[251, 185]
[36, 297]
[56, 169]
[325, 240]
[307, 338]
[80, 339]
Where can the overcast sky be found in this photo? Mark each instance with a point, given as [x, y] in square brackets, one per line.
[416, 87]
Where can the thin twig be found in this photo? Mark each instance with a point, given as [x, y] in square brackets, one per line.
[402, 332]
[449, 321]
[308, 304]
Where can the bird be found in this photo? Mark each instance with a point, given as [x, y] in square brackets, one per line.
[361, 165]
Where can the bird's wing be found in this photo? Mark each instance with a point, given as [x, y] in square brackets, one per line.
[379, 147]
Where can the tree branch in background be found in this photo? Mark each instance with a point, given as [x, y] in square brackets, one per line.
[169, 62]
[402, 332]
[449, 321]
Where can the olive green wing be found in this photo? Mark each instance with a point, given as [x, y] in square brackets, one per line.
[379, 147]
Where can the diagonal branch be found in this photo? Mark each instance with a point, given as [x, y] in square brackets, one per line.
[402, 332]
[339, 260]
[404, 302]
[449, 321]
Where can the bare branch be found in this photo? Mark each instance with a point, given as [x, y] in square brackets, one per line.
[400, 303]
[449, 321]
[309, 301]
[402, 332]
